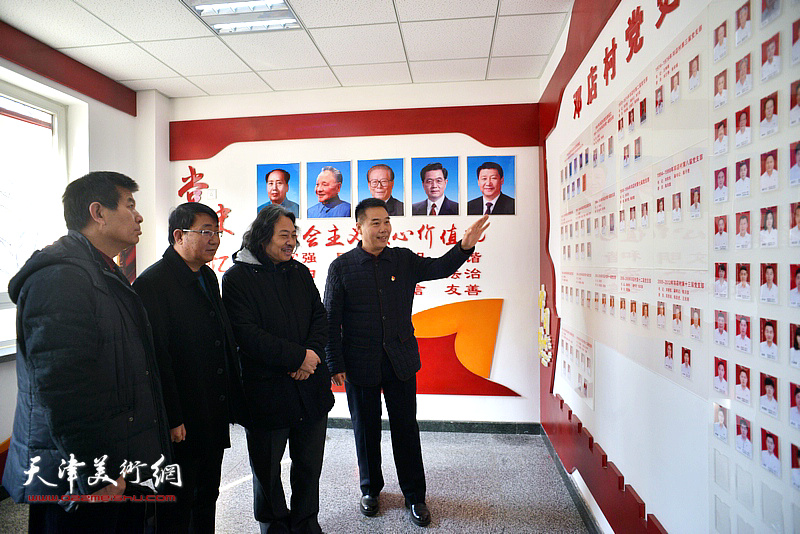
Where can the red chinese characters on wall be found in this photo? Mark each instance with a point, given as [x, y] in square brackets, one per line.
[193, 188]
[635, 40]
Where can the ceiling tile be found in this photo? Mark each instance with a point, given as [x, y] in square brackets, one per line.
[377, 74]
[73, 27]
[148, 20]
[171, 87]
[316, 14]
[529, 7]
[514, 35]
[358, 45]
[507, 68]
[196, 57]
[411, 10]
[276, 49]
[231, 84]
[296, 79]
[448, 39]
[449, 70]
[120, 61]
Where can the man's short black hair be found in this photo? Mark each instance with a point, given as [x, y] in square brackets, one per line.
[436, 166]
[263, 227]
[184, 215]
[384, 167]
[490, 165]
[770, 324]
[769, 267]
[284, 171]
[97, 186]
[722, 268]
[361, 208]
[769, 382]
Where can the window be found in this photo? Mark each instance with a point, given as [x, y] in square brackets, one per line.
[32, 179]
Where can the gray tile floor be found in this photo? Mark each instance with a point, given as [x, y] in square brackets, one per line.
[477, 483]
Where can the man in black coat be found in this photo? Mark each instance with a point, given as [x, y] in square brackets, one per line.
[196, 355]
[89, 391]
[368, 296]
[279, 323]
[492, 200]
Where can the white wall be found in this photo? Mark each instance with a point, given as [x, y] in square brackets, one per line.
[514, 265]
[357, 98]
[654, 424]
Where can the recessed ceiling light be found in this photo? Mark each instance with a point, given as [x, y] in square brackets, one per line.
[240, 16]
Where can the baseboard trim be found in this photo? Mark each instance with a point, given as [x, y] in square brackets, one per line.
[477, 427]
[580, 503]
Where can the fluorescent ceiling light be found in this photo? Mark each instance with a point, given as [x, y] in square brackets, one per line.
[244, 15]
[254, 26]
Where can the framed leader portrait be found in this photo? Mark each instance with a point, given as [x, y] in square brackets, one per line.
[742, 178]
[743, 281]
[744, 441]
[720, 41]
[769, 115]
[743, 135]
[328, 189]
[686, 362]
[768, 235]
[794, 285]
[721, 328]
[771, 57]
[769, 286]
[770, 452]
[770, 9]
[668, 355]
[742, 339]
[490, 185]
[744, 76]
[769, 339]
[794, 345]
[721, 89]
[768, 401]
[434, 186]
[279, 183]
[720, 422]
[694, 72]
[794, 405]
[383, 179]
[742, 389]
[794, 99]
[794, 163]
[743, 28]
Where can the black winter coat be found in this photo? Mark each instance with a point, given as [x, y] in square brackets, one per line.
[369, 300]
[195, 348]
[86, 372]
[276, 315]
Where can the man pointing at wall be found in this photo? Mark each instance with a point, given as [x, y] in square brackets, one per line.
[371, 347]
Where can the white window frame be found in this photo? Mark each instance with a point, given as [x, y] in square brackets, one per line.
[59, 112]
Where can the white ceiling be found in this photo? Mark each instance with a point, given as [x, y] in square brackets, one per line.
[162, 45]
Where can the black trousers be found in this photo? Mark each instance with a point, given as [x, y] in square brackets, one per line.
[365, 412]
[306, 447]
[200, 461]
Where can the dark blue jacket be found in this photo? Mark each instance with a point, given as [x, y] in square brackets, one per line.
[87, 379]
[369, 302]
